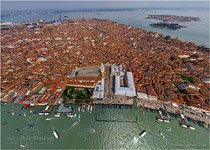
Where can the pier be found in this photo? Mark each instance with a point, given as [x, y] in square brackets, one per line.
[198, 115]
[162, 117]
[47, 110]
[115, 120]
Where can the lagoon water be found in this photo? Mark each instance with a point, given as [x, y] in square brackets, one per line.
[84, 132]
[197, 32]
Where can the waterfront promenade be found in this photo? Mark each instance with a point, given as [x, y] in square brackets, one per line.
[188, 111]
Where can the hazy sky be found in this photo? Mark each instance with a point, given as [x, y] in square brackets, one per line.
[26, 5]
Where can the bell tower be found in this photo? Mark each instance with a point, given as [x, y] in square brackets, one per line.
[102, 70]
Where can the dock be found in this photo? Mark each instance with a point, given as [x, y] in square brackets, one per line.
[162, 117]
[115, 120]
[184, 123]
[46, 111]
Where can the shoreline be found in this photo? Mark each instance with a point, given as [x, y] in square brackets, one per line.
[196, 114]
[142, 104]
[13, 24]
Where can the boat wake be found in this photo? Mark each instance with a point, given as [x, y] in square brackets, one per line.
[135, 140]
[74, 124]
[48, 118]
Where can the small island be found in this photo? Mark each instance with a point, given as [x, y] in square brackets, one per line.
[173, 18]
[166, 25]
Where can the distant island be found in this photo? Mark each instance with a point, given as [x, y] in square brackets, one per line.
[173, 18]
[166, 25]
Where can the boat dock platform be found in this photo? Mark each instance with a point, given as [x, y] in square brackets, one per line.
[115, 120]
[162, 117]
[114, 106]
[184, 123]
[46, 111]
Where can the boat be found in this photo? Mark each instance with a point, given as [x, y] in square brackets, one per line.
[46, 113]
[162, 135]
[21, 145]
[58, 114]
[3, 103]
[31, 111]
[184, 126]
[48, 118]
[26, 104]
[167, 121]
[83, 109]
[143, 133]
[17, 130]
[24, 114]
[13, 113]
[70, 115]
[41, 113]
[87, 108]
[205, 125]
[191, 127]
[79, 108]
[159, 119]
[47, 107]
[182, 116]
[91, 109]
[168, 129]
[55, 133]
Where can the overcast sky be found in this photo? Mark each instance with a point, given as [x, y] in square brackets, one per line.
[28, 5]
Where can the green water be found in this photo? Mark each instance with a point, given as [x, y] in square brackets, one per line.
[87, 133]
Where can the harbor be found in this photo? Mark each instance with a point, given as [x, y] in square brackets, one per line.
[121, 124]
[173, 109]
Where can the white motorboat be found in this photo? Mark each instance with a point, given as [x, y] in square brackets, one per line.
[159, 119]
[184, 126]
[167, 121]
[83, 109]
[91, 109]
[24, 114]
[47, 113]
[58, 114]
[55, 133]
[70, 115]
[79, 108]
[41, 113]
[182, 116]
[48, 118]
[143, 133]
[21, 145]
[159, 112]
[13, 113]
[191, 127]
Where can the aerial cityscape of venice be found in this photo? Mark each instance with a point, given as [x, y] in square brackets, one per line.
[105, 75]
